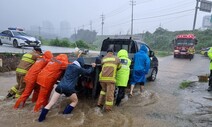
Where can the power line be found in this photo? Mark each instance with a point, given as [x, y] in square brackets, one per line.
[126, 22]
[165, 14]
[172, 18]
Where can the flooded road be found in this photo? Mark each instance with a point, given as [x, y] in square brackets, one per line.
[162, 104]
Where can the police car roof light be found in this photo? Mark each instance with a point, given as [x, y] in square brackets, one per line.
[19, 29]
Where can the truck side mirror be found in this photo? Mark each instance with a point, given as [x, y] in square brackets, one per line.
[151, 53]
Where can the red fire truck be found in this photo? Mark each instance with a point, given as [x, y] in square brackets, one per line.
[182, 43]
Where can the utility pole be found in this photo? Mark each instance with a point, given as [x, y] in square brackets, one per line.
[39, 29]
[75, 36]
[132, 3]
[195, 15]
[90, 25]
[103, 17]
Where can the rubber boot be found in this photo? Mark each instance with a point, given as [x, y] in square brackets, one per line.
[68, 109]
[9, 95]
[209, 88]
[108, 108]
[210, 84]
[43, 114]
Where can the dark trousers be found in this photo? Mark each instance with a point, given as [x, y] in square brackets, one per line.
[190, 56]
[120, 96]
[210, 79]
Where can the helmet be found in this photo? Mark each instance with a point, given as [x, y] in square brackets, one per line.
[110, 50]
[38, 49]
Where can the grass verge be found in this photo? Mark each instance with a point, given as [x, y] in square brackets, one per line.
[162, 53]
[185, 84]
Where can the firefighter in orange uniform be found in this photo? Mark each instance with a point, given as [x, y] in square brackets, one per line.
[48, 77]
[31, 78]
[110, 63]
[26, 62]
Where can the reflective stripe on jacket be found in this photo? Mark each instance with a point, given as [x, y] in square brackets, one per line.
[109, 67]
[191, 50]
[122, 75]
[210, 57]
[26, 62]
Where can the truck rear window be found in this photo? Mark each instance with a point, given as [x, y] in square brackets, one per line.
[117, 45]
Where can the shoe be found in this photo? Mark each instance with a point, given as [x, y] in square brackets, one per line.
[130, 95]
[9, 95]
[209, 88]
[68, 109]
[108, 109]
[43, 114]
[100, 106]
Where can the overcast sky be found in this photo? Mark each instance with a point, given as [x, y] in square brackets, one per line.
[148, 14]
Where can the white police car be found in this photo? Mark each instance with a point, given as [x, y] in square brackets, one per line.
[18, 38]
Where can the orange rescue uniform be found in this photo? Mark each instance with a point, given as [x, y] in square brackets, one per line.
[31, 78]
[48, 77]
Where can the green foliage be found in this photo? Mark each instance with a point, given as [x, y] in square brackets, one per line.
[162, 53]
[60, 43]
[185, 84]
[161, 39]
[66, 43]
[12, 54]
[82, 44]
[45, 42]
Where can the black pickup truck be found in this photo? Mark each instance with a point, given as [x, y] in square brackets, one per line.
[132, 46]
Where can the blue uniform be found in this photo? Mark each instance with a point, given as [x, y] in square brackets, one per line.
[141, 66]
[70, 78]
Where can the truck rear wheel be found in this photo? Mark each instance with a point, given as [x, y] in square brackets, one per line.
[153, 75]
[0, 42]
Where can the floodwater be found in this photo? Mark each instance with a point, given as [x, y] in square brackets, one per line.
[162, 104]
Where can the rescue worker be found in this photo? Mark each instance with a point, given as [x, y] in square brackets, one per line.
[67, 87]
[31, 78]
[140, 69]
[107, 76]
[210, 77]
[48, 77]
[191, 52]
[122, 75]
[27, 60]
